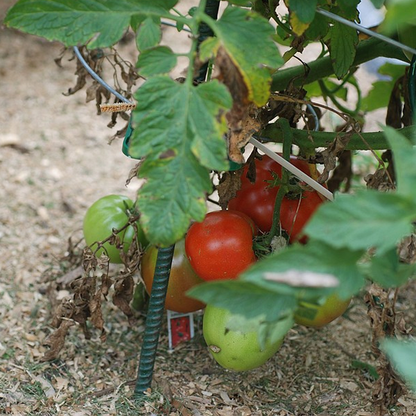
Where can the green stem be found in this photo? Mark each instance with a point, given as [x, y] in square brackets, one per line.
[284, 189]
[321, 68]
[310, 140]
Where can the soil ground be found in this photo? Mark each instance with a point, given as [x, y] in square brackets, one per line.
[55, 161]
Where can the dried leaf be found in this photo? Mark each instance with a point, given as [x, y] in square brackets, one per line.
[229, 185]
[56, 340]
[342, 173]
[241, 118]
[330, 154]
[123, 294]
[388, 388]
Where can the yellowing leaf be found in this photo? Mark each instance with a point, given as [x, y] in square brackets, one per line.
[246, 38]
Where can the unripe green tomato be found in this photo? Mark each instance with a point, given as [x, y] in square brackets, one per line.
[235, 350]
[108, 213]
[317, 316]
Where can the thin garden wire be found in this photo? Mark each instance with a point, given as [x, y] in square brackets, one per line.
[365, 30]
[97, 77]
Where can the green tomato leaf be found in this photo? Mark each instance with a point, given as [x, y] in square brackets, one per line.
[318, 28]
[73, 22]
[303, 9]
[247, 299]
[240, 32]
[314, 259]
[379, 94]
[348, 8]
[403, 357]
[388, 271]
[344, 41]
[149, 34]
[363, 220]
[178, 130]
[404, 162]
[158, 60]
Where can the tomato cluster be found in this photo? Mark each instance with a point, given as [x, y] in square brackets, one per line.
[257, 199]
[221, 247]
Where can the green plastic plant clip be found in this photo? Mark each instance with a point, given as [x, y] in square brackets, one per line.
[126, 141]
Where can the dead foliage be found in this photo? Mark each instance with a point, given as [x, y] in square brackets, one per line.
[385, 322]
[243, 117]
[90, 285]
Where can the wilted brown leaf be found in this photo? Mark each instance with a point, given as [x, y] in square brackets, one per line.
[123, 294]
[384, 323]
[228, 186]
[56, 340]
[242, 118]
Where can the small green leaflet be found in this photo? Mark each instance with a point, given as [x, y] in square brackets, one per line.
[178, 129]
[149, 34]
[318, 28]
[76, 22]
[154, 61]
[363, 220]
[344, 41]
[303, 9]
[314, 257]
[349, 8]
[402, 354]
[379, 95]
[404, 163]
[241, 32]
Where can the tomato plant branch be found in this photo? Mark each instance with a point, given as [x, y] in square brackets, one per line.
[312, 139]
[322, 68]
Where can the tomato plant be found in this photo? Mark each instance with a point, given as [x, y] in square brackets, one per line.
[257, 199]
[318, 315]
[237, 350]
[182, 278]
[111, 212]
[221, 246]
[179, 127]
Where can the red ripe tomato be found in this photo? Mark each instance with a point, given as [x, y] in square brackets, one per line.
[296, 212]
[257, 199]
[220, 247]
[182, 278]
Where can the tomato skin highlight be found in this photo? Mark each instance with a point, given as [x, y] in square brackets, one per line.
[317, 316]
[257, 199]
[182, 278]
[108, 213]
[220, 247]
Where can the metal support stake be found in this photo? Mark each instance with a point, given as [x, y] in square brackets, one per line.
[154, 319]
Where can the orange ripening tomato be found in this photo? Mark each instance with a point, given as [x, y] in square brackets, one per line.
[182, 278]
[317, 316]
